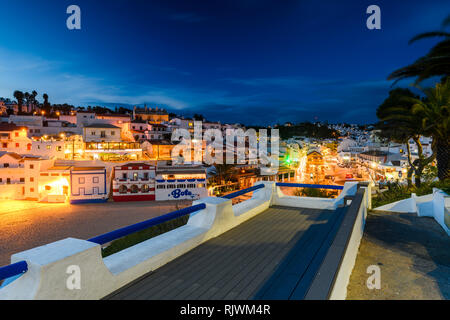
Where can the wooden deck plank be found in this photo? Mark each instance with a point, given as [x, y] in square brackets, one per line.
[238, 260]
[236, 264]
[205, 263]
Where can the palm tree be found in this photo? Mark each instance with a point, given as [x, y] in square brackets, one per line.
[434, 115]
[400, 124]
[19, 96]
[435, 63]
[45, 96]
[33, 97]
[223, 172]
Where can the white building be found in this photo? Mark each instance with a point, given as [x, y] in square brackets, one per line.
[88, 185]
[134, 182]
[101, 132]
[180, 183]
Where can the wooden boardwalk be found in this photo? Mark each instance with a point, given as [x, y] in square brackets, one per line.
[274, 255]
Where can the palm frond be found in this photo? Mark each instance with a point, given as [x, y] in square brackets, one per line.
[430, 34]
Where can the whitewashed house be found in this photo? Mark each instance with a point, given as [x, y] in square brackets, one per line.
[134, 182]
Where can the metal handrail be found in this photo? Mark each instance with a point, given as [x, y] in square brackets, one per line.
[13, 270]
[119, 233]
[243, 191]
[316, 186]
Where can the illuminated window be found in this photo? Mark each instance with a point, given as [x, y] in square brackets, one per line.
[31, 189]
[81, 180]
[48, 188]
[31, 179]
[17, 145]
[200, 185]
[145, 188]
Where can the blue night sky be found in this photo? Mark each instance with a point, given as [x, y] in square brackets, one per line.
[248, 61]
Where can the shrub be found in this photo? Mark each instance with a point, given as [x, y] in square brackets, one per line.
[140, 236]
[398, 192]
[313, 192]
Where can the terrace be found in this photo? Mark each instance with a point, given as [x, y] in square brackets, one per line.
[271, 246]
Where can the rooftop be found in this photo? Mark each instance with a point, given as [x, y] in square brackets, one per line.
[10, 127]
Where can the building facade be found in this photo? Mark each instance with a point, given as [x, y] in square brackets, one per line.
[134, 182]
[180, 183]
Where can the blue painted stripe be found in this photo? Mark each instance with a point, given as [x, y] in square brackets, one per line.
[13, 270]
[243, 191]
[316, 186]
[119, 233]
[10, 280]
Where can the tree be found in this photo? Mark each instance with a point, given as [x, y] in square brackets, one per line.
[45, 96]
[198, 117]
[399, 124]
[33, 97]
[19, 97]
[435, 63]
[434, 115]
[223, 172]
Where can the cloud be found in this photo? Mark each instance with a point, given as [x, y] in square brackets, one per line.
[255, 100]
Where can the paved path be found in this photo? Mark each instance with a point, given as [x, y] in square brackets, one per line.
[27, 224]
[271, 256]
[413, 254]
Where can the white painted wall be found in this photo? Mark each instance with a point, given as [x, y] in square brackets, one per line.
[430, 205]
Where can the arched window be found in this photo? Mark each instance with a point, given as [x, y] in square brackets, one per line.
[123, 189]
[145, 188]
[134, 188]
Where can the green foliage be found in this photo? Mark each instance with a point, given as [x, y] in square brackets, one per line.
[312, 192]
[435, 63]
[398, 192]
[140, 236]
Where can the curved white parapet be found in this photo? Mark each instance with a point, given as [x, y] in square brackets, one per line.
[50, 267]
[281, 199]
